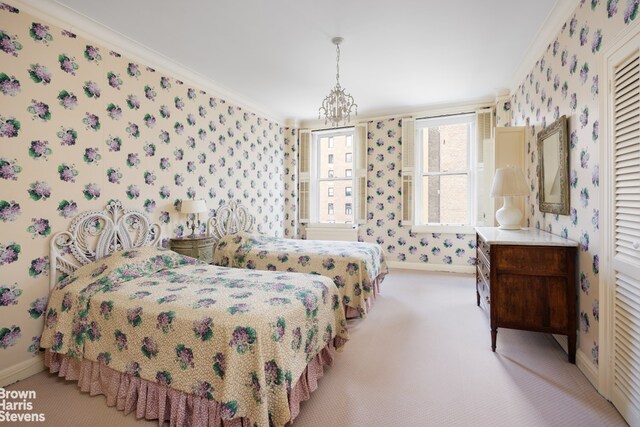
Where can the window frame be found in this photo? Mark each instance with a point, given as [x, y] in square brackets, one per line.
[314, 175]
[348, 173]
[330, 191]
[469, 172]
[348, 191]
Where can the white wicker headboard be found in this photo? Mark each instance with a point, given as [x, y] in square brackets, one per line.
[230, 219]
[95, 234]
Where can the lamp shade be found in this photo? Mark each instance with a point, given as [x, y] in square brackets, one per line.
[193, 206]
[509, 181]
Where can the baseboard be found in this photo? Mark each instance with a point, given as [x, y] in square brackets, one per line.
[467, 269]
[583, 362]
[22, 370]
[586, 366]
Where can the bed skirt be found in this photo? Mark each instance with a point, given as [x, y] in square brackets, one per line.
[354, 313]
[152, 401]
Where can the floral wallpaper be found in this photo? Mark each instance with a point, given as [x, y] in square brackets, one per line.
[564, 81]
[503, 110]
[80, 125]
[291, 226]
[400, 243]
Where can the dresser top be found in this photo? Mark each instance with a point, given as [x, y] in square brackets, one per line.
[532, 237]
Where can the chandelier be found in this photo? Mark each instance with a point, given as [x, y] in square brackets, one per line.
[336, 107]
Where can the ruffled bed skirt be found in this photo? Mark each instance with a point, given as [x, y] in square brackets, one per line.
[353, 313]
[152, 401]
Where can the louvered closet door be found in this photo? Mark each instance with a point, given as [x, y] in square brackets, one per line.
[626, 227]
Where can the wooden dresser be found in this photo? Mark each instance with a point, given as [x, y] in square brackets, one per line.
[200, 247]
[526, 279]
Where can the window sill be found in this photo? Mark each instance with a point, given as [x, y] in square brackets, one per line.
[443, 228]
[331, 226]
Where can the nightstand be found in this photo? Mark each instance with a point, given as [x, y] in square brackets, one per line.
[200, 247]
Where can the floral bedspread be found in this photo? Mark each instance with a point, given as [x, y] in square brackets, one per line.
[353, 266]
[239, 337]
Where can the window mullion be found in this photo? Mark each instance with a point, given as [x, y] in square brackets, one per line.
[462, 172]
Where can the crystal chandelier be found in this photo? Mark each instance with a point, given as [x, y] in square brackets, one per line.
[337, 106]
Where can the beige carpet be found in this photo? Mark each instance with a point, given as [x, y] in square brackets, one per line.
[421, 358]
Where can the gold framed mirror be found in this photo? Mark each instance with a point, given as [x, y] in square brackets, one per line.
[553, 168]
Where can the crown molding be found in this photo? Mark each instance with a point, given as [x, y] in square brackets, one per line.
[69, 19]
[543, 38]
[416, 112]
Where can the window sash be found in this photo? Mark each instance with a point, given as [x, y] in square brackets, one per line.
[419, 174]
[316, 181]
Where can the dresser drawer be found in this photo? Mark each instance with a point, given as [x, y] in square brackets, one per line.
[532, 260]
[483, 289]
[483, 271]
[483, 248]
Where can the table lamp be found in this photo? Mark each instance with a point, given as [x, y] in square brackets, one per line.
[508, 183]
[196, 207]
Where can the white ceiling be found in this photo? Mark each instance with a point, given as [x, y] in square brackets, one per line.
[397, 56]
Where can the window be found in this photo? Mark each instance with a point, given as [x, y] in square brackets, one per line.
[437, 176]
[327, 179]
[325, 191]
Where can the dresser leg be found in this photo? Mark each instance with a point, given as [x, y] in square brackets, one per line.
[571, 344]
[494, 336]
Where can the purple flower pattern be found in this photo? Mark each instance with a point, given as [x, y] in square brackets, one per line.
[39, 74]
[9, 85]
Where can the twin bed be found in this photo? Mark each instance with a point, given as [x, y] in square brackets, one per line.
[356, 268]
[176, 339]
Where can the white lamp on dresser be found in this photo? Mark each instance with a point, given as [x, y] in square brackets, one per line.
[508, 183]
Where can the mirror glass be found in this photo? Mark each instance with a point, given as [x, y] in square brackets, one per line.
[551, 156]
[553, 177]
